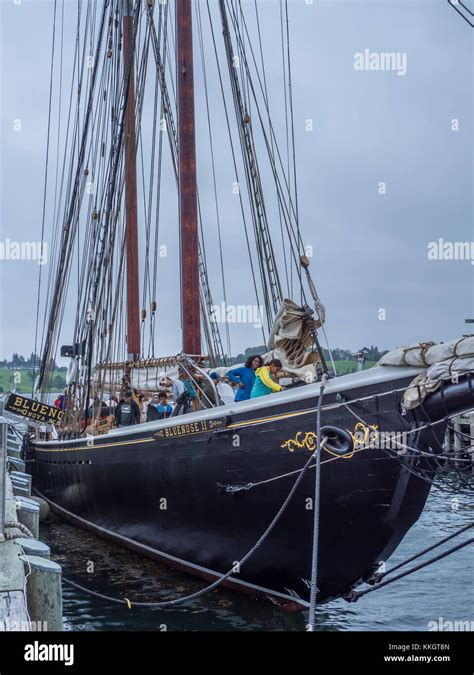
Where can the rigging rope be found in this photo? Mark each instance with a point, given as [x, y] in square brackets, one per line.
[234, 159]
[316, 511]
[214, 179]
[380, 575]
[269, 274]
[267, 105]
[353, 596]
[66, 232]
[205, 292]
[44, 192]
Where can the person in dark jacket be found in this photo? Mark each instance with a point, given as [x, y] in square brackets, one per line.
[99, 409]
[127, 412]
[245, 377]
[159, 408]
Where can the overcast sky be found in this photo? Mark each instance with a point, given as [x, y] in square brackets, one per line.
[370, 249]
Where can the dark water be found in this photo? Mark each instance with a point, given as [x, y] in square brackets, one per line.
[443, 590]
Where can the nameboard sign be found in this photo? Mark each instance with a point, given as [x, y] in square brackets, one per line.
[190, 428]
[34, 410]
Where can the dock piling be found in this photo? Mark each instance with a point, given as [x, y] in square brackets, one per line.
[3, 476]
[22, 556]
[43, 589]
[33, 547]
[28, 514]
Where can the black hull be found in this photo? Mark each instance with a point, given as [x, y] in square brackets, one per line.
[162, 494]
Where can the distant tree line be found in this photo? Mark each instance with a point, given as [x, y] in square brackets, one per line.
[250, 351]
[372, 353]
[22, 363]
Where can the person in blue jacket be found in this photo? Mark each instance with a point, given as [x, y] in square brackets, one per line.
[159, 408]
[245, 377]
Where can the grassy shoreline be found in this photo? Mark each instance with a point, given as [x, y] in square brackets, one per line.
[22, 380]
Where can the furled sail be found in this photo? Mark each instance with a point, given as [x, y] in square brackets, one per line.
[290, 338]
[144, 375]
[442, 361]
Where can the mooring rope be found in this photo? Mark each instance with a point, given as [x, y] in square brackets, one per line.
[380, 575]
[419, 453]
[316, 512]
[232, 489]
[355, 595]
[19, 526]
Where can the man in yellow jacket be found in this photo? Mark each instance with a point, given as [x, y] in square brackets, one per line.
[264, 379]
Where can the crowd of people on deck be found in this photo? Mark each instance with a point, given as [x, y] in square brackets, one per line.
[252, 380]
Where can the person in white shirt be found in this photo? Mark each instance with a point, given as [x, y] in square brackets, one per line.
[180, 395]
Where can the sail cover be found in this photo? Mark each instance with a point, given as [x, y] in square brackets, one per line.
[290, 338]
[143, 379]
[143, 375]
[442, 361]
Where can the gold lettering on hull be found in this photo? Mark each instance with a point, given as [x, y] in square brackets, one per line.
[360, 435]
[188, 429]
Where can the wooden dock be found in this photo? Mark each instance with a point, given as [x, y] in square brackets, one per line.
[13, 606]
[30, 583]
[459, 442]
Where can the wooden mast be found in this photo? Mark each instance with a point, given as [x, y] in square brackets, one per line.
[131, 232]
[188, 216]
